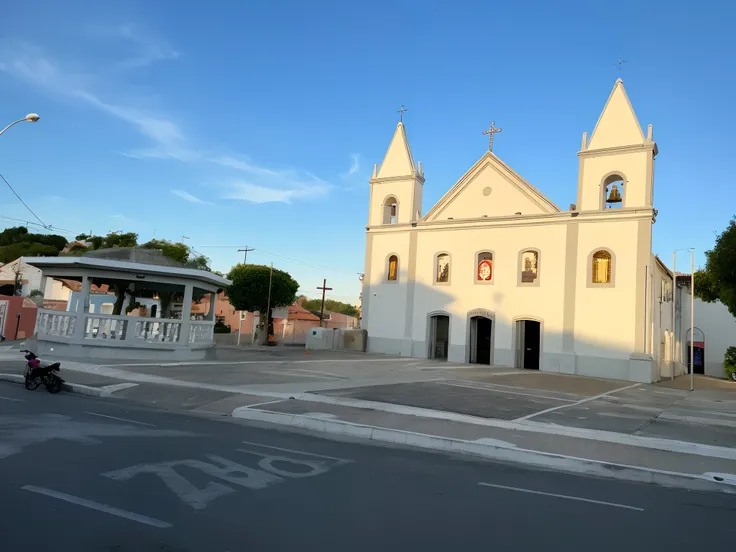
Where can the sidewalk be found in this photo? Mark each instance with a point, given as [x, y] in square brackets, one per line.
[658, 433]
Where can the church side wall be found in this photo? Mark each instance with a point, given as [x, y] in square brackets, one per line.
[605, 314]
[505, 298]
[385, 315]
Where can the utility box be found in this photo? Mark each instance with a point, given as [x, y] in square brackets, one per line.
[320, 338]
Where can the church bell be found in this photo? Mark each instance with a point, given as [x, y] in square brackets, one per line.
[614, 196]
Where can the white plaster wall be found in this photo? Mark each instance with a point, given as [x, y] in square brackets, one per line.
[632, 166]
[505, 198]
[387, 305]
[56, 290]
[605, 316]
[718, 325]
[660, 321]
[504, 297]
[404, 190]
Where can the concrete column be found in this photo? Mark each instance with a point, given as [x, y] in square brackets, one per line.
[82, 308]
[186, 315]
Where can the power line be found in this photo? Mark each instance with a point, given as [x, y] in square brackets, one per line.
[23, 202]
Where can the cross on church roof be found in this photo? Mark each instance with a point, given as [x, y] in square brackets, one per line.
[491, 131]
[401, 112]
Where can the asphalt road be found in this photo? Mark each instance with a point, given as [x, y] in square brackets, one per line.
[83, 474]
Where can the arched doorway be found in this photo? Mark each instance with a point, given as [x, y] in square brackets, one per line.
[528, 343]
[697, 351]
[480, 336]
[439, 336]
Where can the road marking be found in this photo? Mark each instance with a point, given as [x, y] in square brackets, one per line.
[132, 516]
[11, 399]
[299, 375]
[530, 491]
[318, 372]
[505, 392]
[296, 451]
[264, 403]
[589, 399]
[118, 387]
[119, 419]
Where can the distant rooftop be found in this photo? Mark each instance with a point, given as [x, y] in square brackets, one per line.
[135, 255]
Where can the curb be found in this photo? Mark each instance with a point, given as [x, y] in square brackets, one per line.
[68, 387]
[545, 460]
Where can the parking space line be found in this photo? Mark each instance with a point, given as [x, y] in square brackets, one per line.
[318, 372]
[119, 419]
[295, 451]
[504, 391]
[589, 399]
[11, 399]
[132, 516]
[300, 375]
[567, 497]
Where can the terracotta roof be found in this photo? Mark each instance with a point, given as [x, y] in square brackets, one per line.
[77, 286]
[297, 312]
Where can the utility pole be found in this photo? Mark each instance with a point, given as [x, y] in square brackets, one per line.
[324, 288]
[245, 253]
[692, 319]
[268, 306]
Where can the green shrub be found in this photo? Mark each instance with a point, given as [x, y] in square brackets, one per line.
[729, 363]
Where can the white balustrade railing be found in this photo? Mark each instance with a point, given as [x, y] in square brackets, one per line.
[202, 332]
[156, 330]
[116, 328]
[56, 323]
[105, 326]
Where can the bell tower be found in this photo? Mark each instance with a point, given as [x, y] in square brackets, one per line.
[396, 187]
[617, 163]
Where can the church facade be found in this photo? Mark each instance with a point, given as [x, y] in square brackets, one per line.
[495, 273]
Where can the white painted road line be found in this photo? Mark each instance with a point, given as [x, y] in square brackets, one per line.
[579, 499]
[299, 375]
[505, 392]
[589, 399]
[118, 387]
[318, 372]
[11, 399]
[264, 403]
[119, 419]
[132, 516]
[295, 451]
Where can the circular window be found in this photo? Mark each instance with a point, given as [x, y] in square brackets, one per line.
[487, 191]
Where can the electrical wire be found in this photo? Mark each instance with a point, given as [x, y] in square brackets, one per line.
[23, 202]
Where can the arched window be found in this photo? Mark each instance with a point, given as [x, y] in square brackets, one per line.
[614, 192]
[393, 268]
[442, 270]
[484, 266]
[529, 266]
[390, 210]
[602, 266]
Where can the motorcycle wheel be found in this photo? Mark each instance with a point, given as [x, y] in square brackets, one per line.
[31, 383]
[54, 386]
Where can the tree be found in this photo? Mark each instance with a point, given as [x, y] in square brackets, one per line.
[176, 251]
[18, 242]
[330, 305]
[717, 281]
[249, 292]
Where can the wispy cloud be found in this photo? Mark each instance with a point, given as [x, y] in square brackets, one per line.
[125, 221]
[147, 48]
[186, 196]
[166, 138]
[354, 167]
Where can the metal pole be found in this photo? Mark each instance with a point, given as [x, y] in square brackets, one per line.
[268, 308]
[674, 322]
[240, 325]
[692, 319]
[322, 310]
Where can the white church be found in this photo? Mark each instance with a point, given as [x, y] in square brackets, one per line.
[495, 273]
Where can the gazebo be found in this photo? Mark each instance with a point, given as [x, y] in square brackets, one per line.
[128, 303]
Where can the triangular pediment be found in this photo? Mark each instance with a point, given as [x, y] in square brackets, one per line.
[490, 189]
[617, 124]
[398, 160]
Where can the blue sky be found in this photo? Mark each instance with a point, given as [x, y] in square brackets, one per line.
[258, 123]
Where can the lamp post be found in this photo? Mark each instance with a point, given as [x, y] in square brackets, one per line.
[30, 118]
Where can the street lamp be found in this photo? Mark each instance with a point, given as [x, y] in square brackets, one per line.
[30, 118]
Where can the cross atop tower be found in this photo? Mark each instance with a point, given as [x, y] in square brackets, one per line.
[491, 131]
[401, 112]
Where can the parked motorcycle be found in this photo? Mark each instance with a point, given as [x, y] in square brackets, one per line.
[35, 374]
